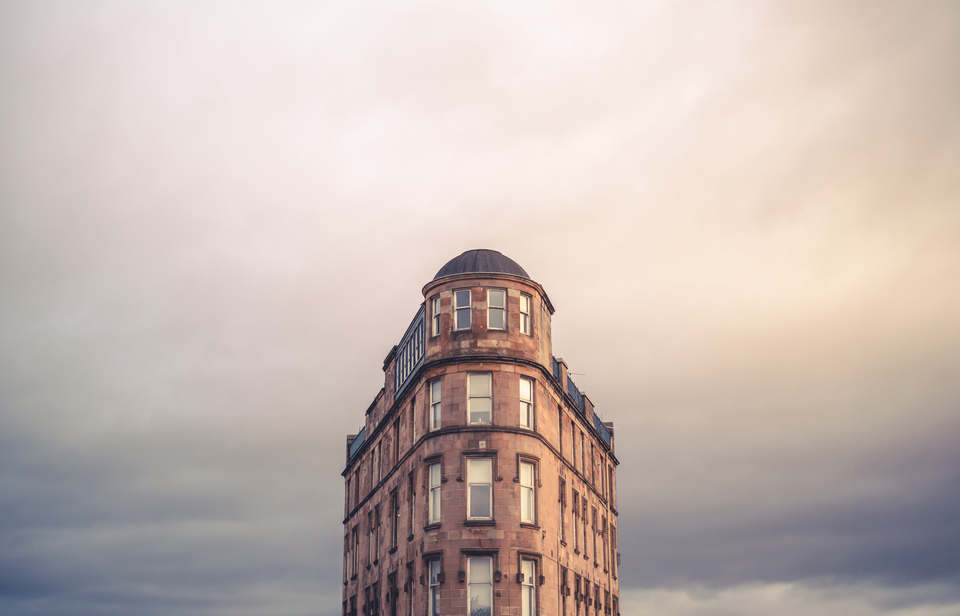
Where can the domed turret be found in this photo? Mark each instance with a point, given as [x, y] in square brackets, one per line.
[481, 262]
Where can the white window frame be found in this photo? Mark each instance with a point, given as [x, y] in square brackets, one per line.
[474, 563]
[497, 308]
[471, 396]
[527, 409]
[435, 316]
[459, 309]
[472, 481]
[433, 592]
[528, 592]
[525, 302]
[435, 408]
[433, 493]
[528, 492]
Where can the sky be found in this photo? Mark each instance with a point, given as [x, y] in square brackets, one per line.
[216, 219]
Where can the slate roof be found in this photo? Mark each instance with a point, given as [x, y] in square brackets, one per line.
[481, 262]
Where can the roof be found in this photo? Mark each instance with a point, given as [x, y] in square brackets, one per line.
[481, 262]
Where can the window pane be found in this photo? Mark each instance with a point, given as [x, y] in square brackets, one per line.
[524, 304]
[496, 299]
[480, 501]
[525, 389]
[526, 474]
[497, 319]
[479, 385]
[434, 475]
[463, 298]
[463, 318]
[526, 505]
[480, 410]
[435, 391]
[480, 570]
[480, 471]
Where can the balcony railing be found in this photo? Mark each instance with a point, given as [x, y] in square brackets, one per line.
[602, 430]
[410, 351]
[357, 443]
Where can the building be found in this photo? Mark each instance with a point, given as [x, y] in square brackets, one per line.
[482, 481]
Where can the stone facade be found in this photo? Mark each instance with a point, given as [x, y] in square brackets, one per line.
[502, 499]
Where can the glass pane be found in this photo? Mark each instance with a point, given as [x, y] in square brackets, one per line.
[463, 318]
[480, 570]
[526, 474]
[526, 504]
[434, 571]
[525, 389]
[496, 299]
[479, 385]
[434, 504]
[479, 410]
[528, 571]
[435, 391]
[524, 304]
[481, 471]
[496, 319]
[434, 475]
[481, 600]
[480, 501]
[463, 299]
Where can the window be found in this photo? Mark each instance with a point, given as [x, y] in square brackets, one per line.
[434, 498]
[573, 441]
[434, 595]
[480, 491]
[497, 309]
[583, 455]
[348, 564]
[560, 427]
[396, 441]
[593, 466]
[479, 402]
[603, 534]
[583, 511]
[525, 314]
[394, 518]
[370, 540]
[526, 403]
[376, 465]
[356, 551]
[613, 551]
[527, 494]
[435, 304]
[413, 422]
[596, 563]
[528, 599]
[435, 404]
[563, 511]
[480, 586]
[411, 503]
[462, 309]
[576, 522]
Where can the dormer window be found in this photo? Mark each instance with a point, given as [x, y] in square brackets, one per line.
[496, 309]
[462, 309]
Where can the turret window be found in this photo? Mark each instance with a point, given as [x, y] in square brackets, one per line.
[435, 319]
[526, 403]
[479, 402]
[480, 491]
[435, 405]
[525, 314]
[497, 309]
[462, 309]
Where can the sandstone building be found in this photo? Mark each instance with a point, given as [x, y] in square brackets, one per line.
[482, 482]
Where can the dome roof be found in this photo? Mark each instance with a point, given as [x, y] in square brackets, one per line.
[481, 262]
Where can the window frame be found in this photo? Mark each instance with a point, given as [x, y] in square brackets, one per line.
[529, 490]
[436, 406]
[435, 316]
[471, 482]
[470, 583]
[459, 309]
[528, 588]
[502, 308]
[528, 407]
[525, 320]
[471, 397]
[434, 580]
[434, 506]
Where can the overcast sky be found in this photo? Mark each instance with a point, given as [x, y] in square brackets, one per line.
[216, 220]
